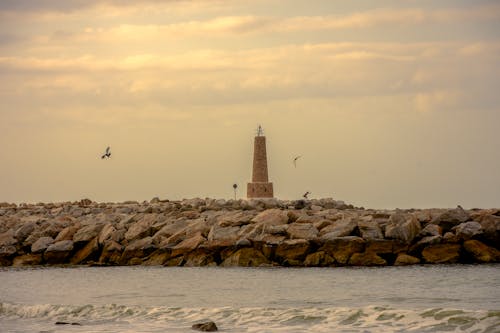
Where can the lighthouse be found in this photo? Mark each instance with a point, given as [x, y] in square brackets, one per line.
[260, 187]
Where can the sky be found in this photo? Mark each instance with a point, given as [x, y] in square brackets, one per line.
[391, 104]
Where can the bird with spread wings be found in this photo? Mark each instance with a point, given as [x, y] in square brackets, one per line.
[107, 154]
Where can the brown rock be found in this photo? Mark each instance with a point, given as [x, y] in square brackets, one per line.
[380, 246]
[87, 233]
[27, 260]
[339, 228]
[441, 253]
[450, 218]
[294, 249]
[481, 252]
[67, 233]
[468, 230]
[404, 227]
[405, 259]
[302, 231]
[491, 228]
[342, 248]
[208, 326]
[58, 252]
[245, 257]
[271, 217]
[111, 252]
[139, 248]
[142, 228]
[366, 259]
[199, 257]
[187, 245]
[318, 259]
[41, 244]
[89, 252]
[369, 228]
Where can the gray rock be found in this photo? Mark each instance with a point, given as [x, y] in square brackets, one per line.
[7, 238]
[271, 217]
[430, 230]
[339, 228]
[404, 227]
[467, 230]
[142, 228]
[302, 231]
[61, 246]
[87, 233]
[369, 228]
[451, 218]
[41, 244]
[25, 230]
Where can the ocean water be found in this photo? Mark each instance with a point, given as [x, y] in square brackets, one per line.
[461, 298]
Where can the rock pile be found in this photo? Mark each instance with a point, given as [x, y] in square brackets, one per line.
[209, 232]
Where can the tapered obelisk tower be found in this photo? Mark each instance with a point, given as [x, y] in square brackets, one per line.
[260, 187]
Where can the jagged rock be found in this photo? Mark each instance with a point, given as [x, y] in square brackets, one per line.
[208, 326]
[89, 252]
[403, 227]
[302, 231]
[450, 237]
[58, 252]
[142, 228]
[87, 233]
[342, 248]
[430, 230]
[24, 231]
[451, 218]
[167, 231]
[293, 249]
[41, 244]
[366, 259]
[339, 228]
[111, 252]
[468, 230]
[385, 246]
[235, 219]
[7, 238]
[405, 259]
[188, 245]
[199, 257]
[441, 253]
[491, 228]
[27, 260]
[318, 259]
[481, 252]
[106, 233]
[369, 228]
[223, 236]
[139, 248]
[157, 258]
[271, 217]
[67, 233]
[246, 257]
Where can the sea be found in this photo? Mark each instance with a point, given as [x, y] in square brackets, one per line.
[436, 298]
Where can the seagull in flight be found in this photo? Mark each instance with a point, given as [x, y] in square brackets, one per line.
[295, 160]
[107, 154]
[306, 194]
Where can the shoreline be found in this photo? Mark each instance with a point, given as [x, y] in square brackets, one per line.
[248, 233]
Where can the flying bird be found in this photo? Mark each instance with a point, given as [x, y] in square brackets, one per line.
[107, 154]
[295, 160]
[306, 194]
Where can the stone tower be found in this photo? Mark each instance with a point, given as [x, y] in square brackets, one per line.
[260, 187]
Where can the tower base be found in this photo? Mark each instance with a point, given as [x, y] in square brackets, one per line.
[260, 190]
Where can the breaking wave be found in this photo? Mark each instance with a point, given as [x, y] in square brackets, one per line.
[114, 318]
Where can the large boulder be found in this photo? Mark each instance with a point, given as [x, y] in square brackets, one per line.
[142, 228]
[87, 233]
[293, 250]
[450, 218]
[404, 227]
[139, 248]
[369, 228]
[187, 245]
[441, 253]
[491, 228]
[431, 230]
[342, 248]
[41, 244]
[90, 252]
[318, 259]
[339, 228]
[481, 252]
[366, 259]
[24, 231]
[235, 219]
[468, 230]
[404, 259]
[27, 260]
[245, 257]
[111, 252]
[271, 217]
[58, 252]
[167, 231]
[67, 233]
[302, 231]
[208, 326]
[223, 236]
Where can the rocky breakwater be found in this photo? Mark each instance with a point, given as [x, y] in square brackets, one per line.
[208, 232]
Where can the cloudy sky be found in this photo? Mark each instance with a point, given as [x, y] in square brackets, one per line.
[390, 103]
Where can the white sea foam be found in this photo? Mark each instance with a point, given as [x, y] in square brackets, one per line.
[150, 319]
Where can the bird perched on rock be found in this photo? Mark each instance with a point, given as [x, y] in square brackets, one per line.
[107, 154]
[306, 194]
[295, 160]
